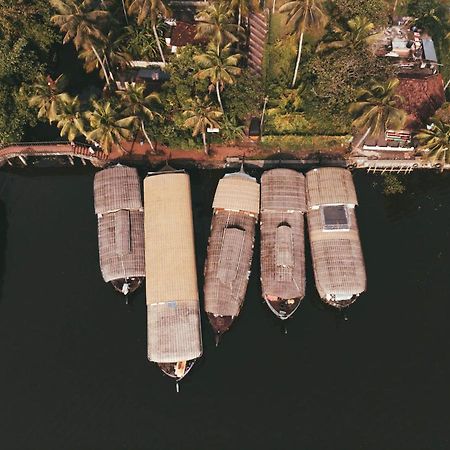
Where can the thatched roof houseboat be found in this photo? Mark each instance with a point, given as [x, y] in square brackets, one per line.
[283, 204]
[173, 309]
[333, 232]
[230, 248]
[118, 205]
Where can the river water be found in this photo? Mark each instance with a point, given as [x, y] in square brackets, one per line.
[74, 373]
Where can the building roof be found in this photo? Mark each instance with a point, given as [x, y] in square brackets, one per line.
[172, 293]
[330, 186]
[183, 33]
[117, 188]
[237, 192]
[283, 190]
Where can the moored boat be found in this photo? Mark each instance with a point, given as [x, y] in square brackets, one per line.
[118, 205]
[336, 251]
[173, 309]
[283, 204]
[230, 248]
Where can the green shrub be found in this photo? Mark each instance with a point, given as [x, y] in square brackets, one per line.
[305, 144]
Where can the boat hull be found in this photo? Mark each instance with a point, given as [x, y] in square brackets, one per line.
[282, 308]
[177, 370]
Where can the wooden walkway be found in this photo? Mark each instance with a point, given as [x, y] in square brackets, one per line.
[19, 152]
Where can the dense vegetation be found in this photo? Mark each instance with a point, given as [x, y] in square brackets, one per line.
[320, 75]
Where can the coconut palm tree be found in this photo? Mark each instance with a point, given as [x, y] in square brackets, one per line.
[219, 66]
[200, 116]
[215, 23]
[149, 9]
[70, 119]
[436, 141]
[140, 107]
[108, 128]
[141, 42]
[81, 22]
[48, 96]
[243, 8]
[303, 15]
[376, 108]
[357, 33]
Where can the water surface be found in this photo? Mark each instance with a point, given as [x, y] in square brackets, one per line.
[74, 373]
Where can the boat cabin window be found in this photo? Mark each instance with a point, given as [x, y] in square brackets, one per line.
[335, 218]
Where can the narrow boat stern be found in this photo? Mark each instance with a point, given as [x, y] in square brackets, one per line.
[220, 324]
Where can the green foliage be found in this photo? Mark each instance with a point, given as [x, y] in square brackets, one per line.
[373, 10]
[25, 39]
[443, 113]
[335, 78]
[305, 124]
[182, 86]
[243, 98]
[18, 66]
[305, 144]
[392, 184]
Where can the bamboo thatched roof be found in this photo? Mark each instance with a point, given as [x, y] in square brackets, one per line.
[121, 245]
[282, 234]
[117, 198]
[333, 232]
[117, 188]
[237, 192]
[174, 332]
[330, 186]
[227, 267]
[283, 190]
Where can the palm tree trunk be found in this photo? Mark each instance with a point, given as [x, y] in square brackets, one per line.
[357, 146]
[218, 96]
[395, 7]
[299, 54]
[146, 136]
[239, 16]
[158, 43]
[125, 11]
[204, 142]
[101, 64]
[111, 76]
[446, 85]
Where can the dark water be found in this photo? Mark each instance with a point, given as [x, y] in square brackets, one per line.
[74, 373]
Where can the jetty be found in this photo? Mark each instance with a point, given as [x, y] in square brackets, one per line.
[336, 252]
[119, 209]
[230, 248]
[283, 204]
[173, 309]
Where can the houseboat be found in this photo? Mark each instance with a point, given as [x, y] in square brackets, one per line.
[336, 251]
[118, 205]
[173, 309]
[283, 204]
[230, 249]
